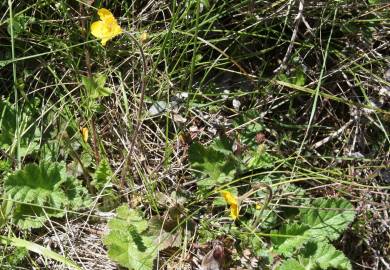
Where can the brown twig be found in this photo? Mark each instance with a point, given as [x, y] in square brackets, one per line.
[89, 73]
[297, 22]
[139, 112]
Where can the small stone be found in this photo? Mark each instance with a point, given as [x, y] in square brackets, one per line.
[182, 95]
[236, 104]
[387, 75]
[226, 94]
[246, 253]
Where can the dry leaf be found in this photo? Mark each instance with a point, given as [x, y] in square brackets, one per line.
[213, 260]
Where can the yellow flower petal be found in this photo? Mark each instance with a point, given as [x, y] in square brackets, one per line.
[104, 13]
[229, 198]
[144, 37]
[84, 133]
[233, 202]
[234, 211]
[107, 28]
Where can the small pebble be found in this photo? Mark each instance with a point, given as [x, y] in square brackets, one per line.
[387, 75]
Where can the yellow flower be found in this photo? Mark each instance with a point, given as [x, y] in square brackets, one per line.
[84, 134]
[107, 28]
[144, 37]
[233, 202]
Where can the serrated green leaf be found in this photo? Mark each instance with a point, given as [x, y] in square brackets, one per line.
[325, 221]
[102, 181]
[322, 255]
[297, 77]
[95, 86]
[217, 166]
[103, 174]
[42, 191]
[127, 216]
[291, 264]
[5, 211]
[289, 238]
[328, 218]
[222, 145]
[127, 242]
[168, 234]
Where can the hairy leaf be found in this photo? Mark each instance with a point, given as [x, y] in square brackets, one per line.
[325, 221]
[259, 159]
[42, 191]
[128, 243]
[289, 238]
[102, 181]
[291, 264]
[217, 166]
[325, 256]
[328, 218]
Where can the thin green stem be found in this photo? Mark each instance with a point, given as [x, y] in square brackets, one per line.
[16, 96]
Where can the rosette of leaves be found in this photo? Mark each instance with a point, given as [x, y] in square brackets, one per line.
[43, 191]
[129, 242]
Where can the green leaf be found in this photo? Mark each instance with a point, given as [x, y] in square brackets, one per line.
[102, 181]
[42, 191]
[222, 145]
[260, 159]
[103, 175]
[297, 77]
[95, 86]
[291, 264]
[128, 242]
[328, 218]
[20, 24]
[325, 221]
[289, 238]
[217, 166]
[5, 211]
[168, 233]
[29, 131]
[250, 128]
[325, 256]
[13, 256]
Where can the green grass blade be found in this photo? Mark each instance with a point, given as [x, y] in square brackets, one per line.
[17, 242]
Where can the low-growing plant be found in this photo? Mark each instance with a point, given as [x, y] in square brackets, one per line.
[39, 192]
[297, 92]
[129, 242]
[302, 238]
